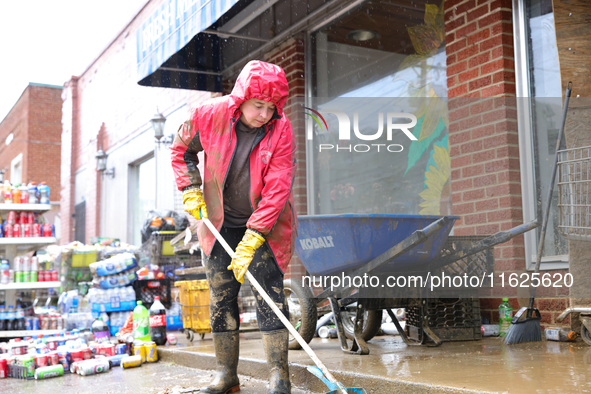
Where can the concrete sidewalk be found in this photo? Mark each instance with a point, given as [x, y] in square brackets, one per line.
[454, 367]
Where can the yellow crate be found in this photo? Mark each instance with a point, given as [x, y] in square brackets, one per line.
[194, 297]
[83, 259]
[167, 248]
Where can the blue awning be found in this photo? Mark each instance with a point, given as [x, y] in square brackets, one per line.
[169, 29]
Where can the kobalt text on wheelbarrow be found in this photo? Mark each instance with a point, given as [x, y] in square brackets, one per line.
[356, 245]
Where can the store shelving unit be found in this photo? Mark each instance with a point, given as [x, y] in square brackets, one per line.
[12, 247]
[29, 333]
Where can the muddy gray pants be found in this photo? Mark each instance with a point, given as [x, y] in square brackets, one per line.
[224, 288]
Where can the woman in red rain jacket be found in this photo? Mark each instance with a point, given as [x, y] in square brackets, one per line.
[246, 192]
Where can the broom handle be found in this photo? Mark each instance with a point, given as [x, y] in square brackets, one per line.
[569, 88]
[279, 314]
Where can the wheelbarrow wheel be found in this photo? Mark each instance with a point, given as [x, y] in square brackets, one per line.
[302, 311]
[372, 321]
[190, 335]
[585, 335]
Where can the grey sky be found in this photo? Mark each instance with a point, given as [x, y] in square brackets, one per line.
[48, 41]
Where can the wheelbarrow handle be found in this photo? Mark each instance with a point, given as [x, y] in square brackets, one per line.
[275, 309]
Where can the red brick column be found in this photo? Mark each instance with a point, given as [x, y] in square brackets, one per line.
[486, 179]
[486, 189]
[70, 137]
[290, 56]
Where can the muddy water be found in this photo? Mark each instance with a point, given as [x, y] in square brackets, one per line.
[487, 365]
[542, 367]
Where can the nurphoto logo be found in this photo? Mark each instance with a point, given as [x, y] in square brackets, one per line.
[393, 123]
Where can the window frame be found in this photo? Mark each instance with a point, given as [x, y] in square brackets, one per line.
[525, 134]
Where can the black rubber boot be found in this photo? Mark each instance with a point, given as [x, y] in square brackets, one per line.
[226, 354]
[275, 344]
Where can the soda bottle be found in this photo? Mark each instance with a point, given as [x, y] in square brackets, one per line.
[505, 316]
[100, 330]
[19, 322]
[16, 195]
[2, 318]
[43, 193]
[33, 193]
[158, 322]
[141, 323]
[10, 318]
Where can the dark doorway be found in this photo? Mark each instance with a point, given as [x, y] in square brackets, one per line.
[80, 222]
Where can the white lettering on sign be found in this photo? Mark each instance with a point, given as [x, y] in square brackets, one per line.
[316, 243]
[158, 26]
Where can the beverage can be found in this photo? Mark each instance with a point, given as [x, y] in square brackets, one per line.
[16, 231]
[53, 323]
[26, 276]
[131, 361]
[172, 339]
[151, 352]
[31, 219]
[65, 359]
[92, 367]
[139, 350]
[121, 348]
[49, 372]
[490, 330]
[3, 368]
[45, 323]
[18, 263]
[22, 217]
[27, 232]
[46, 230]
[26, 263]
[29, 363]
[107, 349]
[74, 366]
[54, 277]
[36, 230]
[86, 353]
[11, 219]
[8, 231]
[116, 360]
[76, 355]
[41, 360]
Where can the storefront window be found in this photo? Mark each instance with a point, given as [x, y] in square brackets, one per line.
[143, 198]
[382, 57]
[545, 112]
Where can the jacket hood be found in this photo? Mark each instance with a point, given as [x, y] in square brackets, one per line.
[263, 81]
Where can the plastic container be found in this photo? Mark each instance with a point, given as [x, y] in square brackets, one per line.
[505, 316]
[194, 298]
[100, 330]
[141, 328]
[560, 334]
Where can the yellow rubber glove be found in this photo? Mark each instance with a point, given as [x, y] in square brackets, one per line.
[244, 253]
[194, 203]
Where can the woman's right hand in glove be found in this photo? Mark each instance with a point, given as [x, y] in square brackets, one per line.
[194, 203]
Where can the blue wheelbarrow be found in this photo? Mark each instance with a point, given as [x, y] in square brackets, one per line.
[358, 245]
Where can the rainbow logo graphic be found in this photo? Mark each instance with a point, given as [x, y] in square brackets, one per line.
[315, 116]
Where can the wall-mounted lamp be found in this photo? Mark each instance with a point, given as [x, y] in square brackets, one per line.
[101, 164]
[158, 122]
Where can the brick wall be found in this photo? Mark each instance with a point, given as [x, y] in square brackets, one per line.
[486, 179]
[17, 123]
[290, 56]
[35, 122]
[44, 138]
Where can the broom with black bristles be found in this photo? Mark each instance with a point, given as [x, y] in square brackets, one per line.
[527, 328]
